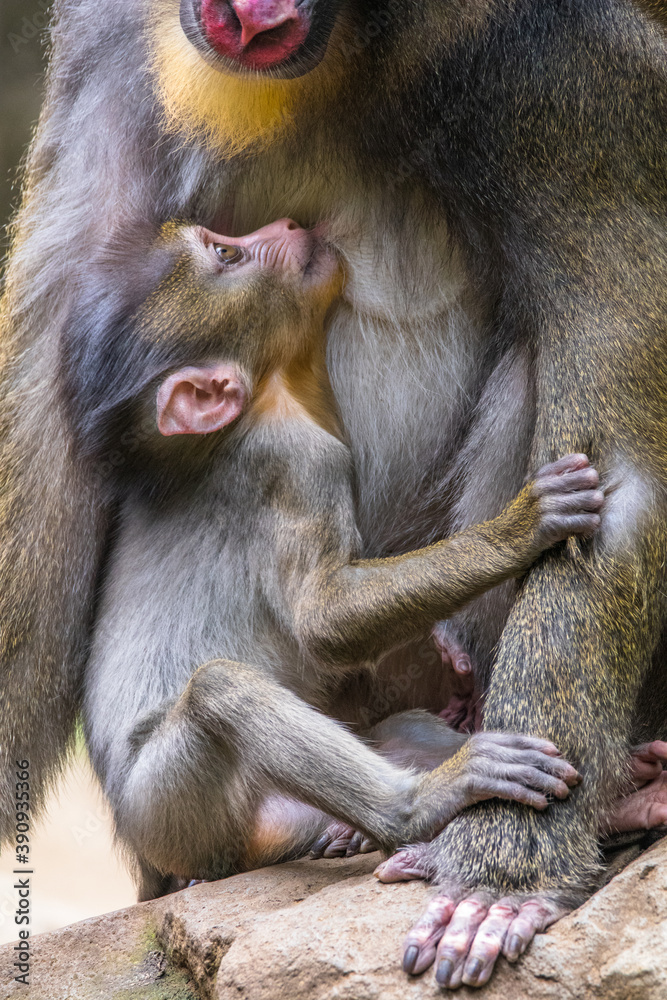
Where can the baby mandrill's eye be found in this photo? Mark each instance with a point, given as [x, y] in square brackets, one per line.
[227, 254]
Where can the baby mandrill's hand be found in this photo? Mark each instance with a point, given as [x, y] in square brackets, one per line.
[491, 765]
[569, 499]
[563, 499]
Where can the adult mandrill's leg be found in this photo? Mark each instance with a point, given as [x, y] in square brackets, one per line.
[581, 635]
[569, 667]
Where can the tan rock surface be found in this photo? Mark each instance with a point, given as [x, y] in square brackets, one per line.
[338, 937]
[113, 957]
[327, 930]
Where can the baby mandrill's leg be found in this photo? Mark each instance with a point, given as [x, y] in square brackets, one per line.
[414, 739]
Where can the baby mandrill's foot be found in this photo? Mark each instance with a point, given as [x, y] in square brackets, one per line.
[405, 865]
[341, 840]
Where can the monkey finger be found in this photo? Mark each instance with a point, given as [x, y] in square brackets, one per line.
[514, 748]
[535, 777]
[569, 482]
[578, 524]
[517, 741]
[457, 939]
[569, 463]
[573, 503]
[656, 750]
[642, 772]
[534, 916]
[514, 791]
[420, 945]
[647, 761]
[557, 767]
[368, 846]
[645, 809]
[488, 944]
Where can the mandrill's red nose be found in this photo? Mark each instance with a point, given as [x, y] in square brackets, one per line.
[258, 34]
[257, 16]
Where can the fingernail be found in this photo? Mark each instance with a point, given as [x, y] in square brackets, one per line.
[514, 949]
[410, 958]
[473, 969]
[444, 972]
[319, 844]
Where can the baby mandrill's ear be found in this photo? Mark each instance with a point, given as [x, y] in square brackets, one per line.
[200, 400]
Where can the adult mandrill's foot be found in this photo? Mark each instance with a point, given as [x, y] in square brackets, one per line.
[464, 934]
[644, 806]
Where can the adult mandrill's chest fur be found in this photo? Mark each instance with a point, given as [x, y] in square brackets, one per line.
[406, 345]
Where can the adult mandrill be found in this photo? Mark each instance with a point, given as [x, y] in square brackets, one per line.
[493, 174]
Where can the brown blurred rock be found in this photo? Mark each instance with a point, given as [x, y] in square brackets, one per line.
[113, 957]
[326, 930]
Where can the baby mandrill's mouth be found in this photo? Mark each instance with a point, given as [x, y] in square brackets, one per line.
[322, 262]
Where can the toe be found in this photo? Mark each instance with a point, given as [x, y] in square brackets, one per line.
[488, 944]
[354, 846]
[534, 915]
[318, 848]
[422, 941]
[452, 952]
[404, 866]
[333, 842]
[338, 847]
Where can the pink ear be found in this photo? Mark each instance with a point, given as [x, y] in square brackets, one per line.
[200, 400]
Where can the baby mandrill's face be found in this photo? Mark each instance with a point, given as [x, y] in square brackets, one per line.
[283, 249]
[267, 295]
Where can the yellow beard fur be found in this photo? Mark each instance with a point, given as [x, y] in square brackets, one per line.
[227, 112]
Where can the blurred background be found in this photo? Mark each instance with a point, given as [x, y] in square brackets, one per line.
[77, 873]
[22, 59]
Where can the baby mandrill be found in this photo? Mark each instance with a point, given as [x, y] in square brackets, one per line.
[236, 601]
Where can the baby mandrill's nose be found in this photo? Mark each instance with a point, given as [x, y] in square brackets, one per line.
[279, 228]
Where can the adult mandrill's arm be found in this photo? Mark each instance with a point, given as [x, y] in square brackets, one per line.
[52, 512]
[52, 526]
